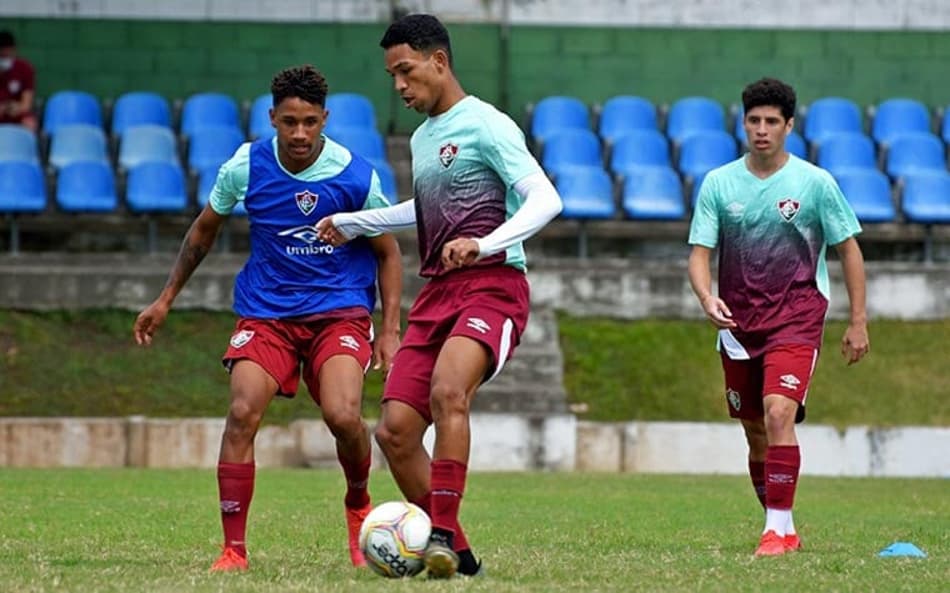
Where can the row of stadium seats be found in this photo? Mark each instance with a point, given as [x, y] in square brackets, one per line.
[816, 122]
[656, 193]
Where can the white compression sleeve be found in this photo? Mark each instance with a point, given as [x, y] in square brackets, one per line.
[541, 204]
[376, 220]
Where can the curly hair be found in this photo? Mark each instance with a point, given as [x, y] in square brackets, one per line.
[421, 32]
[770, 92]
[304, 82]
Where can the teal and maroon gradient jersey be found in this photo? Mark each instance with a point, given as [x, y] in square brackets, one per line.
[772, 234]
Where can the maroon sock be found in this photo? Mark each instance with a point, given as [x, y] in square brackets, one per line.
[448, 485]
[757, 473]
[459, 541]
[781, 476]
[357, 481]
[235, 490]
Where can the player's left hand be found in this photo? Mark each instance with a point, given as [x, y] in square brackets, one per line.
[384, 350]
[855, 343]
[458, 253]
[328, 233]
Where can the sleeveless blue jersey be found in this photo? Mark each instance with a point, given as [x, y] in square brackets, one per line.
[290, 272]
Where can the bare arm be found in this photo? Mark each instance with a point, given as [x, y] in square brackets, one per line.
[197, 243]
[390, 290]
[855, 343]
[700, 278]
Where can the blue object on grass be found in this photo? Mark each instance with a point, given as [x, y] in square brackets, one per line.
[902, 549]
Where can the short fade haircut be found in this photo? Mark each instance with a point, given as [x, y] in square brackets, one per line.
[304, 82]
[7, 40]
[421, 32]
[770, 92]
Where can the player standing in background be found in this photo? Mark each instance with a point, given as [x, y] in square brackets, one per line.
[304, 306]
[772, 215]
[478, 193]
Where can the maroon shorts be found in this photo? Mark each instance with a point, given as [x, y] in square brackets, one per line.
[489, 305]
[285, 349]
[783, 370]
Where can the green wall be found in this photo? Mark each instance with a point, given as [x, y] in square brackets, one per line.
[107, 57]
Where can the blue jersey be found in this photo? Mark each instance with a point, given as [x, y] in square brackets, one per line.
[290, 272]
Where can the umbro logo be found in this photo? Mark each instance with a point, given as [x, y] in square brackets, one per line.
[241, 338]
[349, 342]
[789, 381]
[478, 325]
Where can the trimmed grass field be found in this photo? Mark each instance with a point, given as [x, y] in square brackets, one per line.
[85, 364]
[126, 531]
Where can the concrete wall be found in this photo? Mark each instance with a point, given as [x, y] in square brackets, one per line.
[501, 442]
[613, 288]
[659, 59]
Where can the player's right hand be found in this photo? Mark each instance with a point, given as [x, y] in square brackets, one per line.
[148, 322]
[718, 312]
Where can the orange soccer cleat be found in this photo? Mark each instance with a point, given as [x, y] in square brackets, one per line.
[354, 520]
[230, 561]
[793, 543]
[771, 544]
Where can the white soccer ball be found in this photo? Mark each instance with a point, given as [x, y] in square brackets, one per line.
[394, 537]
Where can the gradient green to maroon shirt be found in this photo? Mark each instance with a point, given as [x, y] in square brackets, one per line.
[772, 235]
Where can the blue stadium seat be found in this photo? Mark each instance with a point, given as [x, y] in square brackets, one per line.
[795, 144]
[846, 150]
[156, 187]
[586, 192]
[623, 114]
[209, 109]
[140, 108]
[206, 179]
[366, 142]
[945, 125]
[696, 185]
[211, 146]
[140, 144]
[694, 114]
[702, 152]
[18, 144]
[86, 186]
[869, 193]
[639, 148]
[555, 113]
[927, 197]
[77, 142]
[831, 115]
[350, 110]
[910, 153]
[571, 148]
[899, 116]
[653, 193]
[387, 180]
[258, 121]
[22, 187]
[71, 107]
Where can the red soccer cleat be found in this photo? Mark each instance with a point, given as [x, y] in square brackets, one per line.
[230, 561]
[793, 543]
[354, 520]
[771, 544]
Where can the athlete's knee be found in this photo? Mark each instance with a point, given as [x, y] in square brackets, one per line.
[448, 398]
[780, 416]
[243, 420]
[393, 440]
[344, 423]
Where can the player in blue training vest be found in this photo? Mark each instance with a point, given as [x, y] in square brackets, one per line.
[304, 306]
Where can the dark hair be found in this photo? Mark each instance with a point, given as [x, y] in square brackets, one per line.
[304, 82]
[770, 92]
[7, 39]
[421, 32]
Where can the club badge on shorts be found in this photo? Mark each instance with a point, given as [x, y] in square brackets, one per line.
[734, 400]
[447, 154]
[241, 338]
[788, 208]
[306, 201]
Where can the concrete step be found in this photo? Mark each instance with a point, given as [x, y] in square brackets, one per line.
[524, 399]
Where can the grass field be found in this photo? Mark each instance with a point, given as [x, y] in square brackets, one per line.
[149, 530]
[84, 364]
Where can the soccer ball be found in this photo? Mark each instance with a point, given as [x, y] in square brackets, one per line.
[394, 537]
